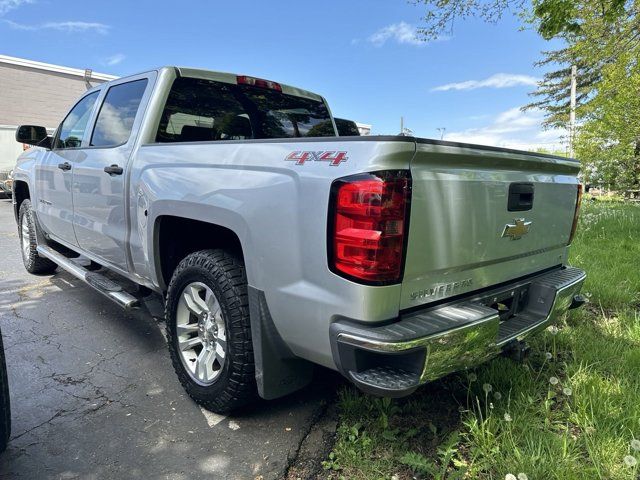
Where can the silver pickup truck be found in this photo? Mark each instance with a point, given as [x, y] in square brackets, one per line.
[274, 244]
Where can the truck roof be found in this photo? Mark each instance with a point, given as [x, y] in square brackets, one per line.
[223, 77]
[228, 77]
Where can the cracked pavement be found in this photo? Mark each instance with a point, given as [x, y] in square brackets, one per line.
[94, 394]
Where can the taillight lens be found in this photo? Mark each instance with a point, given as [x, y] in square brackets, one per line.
[368, 224]
[258, 82]
[576, 213]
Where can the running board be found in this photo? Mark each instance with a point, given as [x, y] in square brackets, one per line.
[98, 282]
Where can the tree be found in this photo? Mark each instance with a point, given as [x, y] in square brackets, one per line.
[602, 38]
[553, 92]
[609, 139]
[595, 40]
[552, 18]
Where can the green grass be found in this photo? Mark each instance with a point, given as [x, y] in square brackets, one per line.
[578, 428]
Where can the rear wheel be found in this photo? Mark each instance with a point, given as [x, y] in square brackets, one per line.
[33, 262]
[208, 330]
[5, 410]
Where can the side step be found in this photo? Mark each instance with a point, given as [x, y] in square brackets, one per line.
[98, 282]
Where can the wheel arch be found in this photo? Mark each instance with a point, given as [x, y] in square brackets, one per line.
[20, 193]
[169, 248]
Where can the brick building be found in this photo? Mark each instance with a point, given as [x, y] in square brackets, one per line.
[36, 93]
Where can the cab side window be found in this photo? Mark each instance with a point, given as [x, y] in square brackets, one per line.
[117, 114]
[73, 126]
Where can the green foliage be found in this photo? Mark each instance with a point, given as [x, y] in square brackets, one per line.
[602, 39]
[609, 140]
[446, 454]
[553, 92]
[551, 18]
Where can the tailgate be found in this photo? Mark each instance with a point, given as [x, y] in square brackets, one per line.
[462, 234]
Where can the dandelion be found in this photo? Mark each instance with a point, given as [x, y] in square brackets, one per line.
[510, 476]
[497, 396]
[472, 377]
[567, 391]
[507, 417]
[554, 380]
[635, 444]
[548, 355]
[491, 405]
[630, 461]
[487, 388]
[553, 330]
[522, 476]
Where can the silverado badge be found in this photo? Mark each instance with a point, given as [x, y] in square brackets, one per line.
[517, 229]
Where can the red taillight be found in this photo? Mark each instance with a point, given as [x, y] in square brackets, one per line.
[368, 224]
[576, 213]
[258, 82]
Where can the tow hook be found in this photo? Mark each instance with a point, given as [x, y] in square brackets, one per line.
[517, 351]
[577, 301]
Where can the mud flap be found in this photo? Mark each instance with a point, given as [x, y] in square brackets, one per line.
[278, 371]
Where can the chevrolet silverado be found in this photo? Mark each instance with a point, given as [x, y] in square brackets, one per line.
[273, 244]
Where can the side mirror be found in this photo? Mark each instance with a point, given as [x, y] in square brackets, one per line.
[33, 135]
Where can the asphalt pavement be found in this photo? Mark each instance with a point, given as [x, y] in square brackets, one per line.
[94, 395]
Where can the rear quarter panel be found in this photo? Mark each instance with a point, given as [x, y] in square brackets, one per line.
[278, 210]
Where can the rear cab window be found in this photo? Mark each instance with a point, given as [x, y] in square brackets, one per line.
[208, 110]
[117, 114]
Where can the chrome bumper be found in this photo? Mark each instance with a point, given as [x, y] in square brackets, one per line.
[394, 359]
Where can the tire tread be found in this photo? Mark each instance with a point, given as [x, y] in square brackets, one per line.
[229, 274]
[35, 263]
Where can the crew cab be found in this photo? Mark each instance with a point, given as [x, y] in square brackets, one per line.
[274, 244]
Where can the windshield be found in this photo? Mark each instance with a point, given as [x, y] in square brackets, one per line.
[204, 110]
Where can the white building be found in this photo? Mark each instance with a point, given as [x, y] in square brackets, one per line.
[363, 128]
[36, 93]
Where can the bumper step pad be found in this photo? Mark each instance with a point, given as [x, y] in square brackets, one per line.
[390, 379]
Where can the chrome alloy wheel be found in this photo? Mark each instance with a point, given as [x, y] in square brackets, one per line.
[201, 334]
[25, 238]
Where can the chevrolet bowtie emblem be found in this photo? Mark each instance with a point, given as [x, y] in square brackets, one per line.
[517, 229]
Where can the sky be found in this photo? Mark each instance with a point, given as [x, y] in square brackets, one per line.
[364, 56]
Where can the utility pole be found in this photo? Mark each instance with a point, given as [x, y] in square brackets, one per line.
[572, 111]
[442, 130]
[401, 125]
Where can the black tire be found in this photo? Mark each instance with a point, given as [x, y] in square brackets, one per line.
[33, 262]
[5, 409]
[225, 275]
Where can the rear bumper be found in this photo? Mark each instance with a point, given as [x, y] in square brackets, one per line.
[395, 358]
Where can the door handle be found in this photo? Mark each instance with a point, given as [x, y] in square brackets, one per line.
[113, 170]
[64, 166]
[520, 197]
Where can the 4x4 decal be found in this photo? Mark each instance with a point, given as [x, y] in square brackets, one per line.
[333, 157]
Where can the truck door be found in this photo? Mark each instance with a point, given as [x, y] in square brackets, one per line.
[100, 174]
[54, 173]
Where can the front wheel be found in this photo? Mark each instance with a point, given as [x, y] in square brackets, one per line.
[33, 262]
[208, 330]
